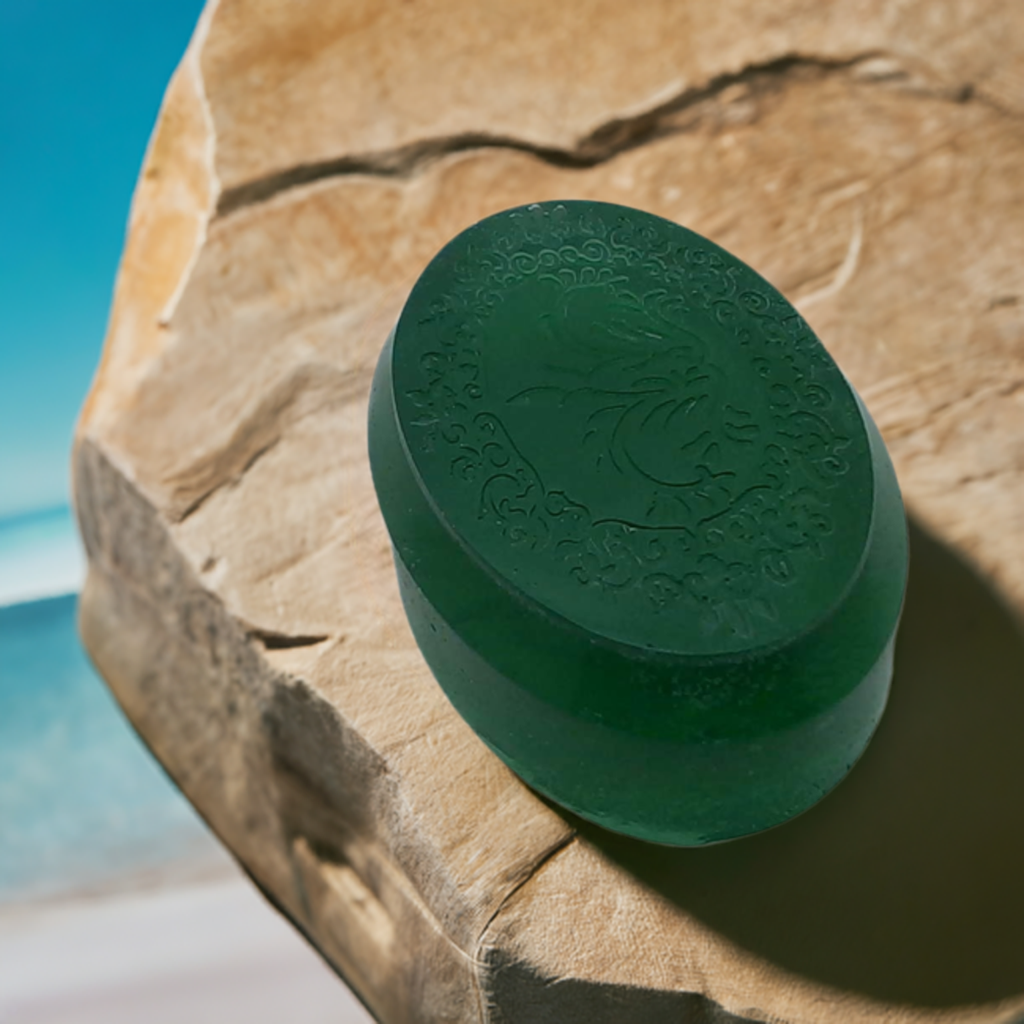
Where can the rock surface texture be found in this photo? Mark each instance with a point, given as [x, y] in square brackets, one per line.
[309, 160]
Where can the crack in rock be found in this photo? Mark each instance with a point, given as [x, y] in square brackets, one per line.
[601, 145]
[273, 641]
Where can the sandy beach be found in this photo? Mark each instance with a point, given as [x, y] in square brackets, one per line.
[204, 952]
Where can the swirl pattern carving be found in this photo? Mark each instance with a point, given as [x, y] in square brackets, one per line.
[624, 404]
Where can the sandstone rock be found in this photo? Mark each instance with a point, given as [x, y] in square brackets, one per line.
[241, 601]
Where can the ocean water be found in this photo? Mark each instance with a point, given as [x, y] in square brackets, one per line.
[82, 802]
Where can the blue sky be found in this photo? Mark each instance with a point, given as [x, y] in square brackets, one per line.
[81, 84]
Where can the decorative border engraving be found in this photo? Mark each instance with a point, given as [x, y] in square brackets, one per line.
[724, 548]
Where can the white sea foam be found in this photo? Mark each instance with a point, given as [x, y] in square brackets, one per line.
[40, 556]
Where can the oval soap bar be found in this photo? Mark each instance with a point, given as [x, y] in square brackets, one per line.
[648, 539]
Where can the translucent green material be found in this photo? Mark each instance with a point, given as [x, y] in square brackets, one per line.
[647, 536]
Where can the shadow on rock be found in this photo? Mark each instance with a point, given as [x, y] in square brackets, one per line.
[906, 883]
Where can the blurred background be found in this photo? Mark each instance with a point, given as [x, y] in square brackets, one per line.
[116, 903]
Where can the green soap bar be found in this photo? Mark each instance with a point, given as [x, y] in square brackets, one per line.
[647, 536]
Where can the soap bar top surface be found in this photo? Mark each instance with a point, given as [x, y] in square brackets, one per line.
[634, 432]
